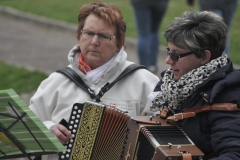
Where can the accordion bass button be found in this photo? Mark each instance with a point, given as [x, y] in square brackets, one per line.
[169, 145]
[151, 117]
[157, 122]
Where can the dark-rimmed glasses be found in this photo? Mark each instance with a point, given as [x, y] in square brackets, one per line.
[175, 56]
[102, 37]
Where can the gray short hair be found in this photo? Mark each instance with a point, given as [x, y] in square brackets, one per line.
[198, 31]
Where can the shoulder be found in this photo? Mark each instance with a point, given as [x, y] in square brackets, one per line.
[55, 76]
[144, 78]
[140, 76]
[54, 80]
[227, 89]
[144, 73]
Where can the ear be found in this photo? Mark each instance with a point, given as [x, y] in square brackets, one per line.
[118, 48]
[207, 57]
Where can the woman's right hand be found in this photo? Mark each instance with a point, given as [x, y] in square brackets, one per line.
[61, 132]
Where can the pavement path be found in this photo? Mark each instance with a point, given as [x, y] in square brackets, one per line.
[43, 44]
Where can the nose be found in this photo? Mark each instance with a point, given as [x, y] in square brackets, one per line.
[95, 40]
[169, 60]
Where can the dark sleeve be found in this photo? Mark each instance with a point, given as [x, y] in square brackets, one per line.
[158, 86]
[225, 135]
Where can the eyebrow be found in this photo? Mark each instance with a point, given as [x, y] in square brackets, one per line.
[103, 32]
[174, 50]
[177, 50]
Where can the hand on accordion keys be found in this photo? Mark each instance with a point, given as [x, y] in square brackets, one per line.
[61, 132]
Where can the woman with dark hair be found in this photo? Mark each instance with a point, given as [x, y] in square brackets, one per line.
[201, 74]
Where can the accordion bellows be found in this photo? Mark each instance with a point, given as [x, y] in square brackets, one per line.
[99, 133]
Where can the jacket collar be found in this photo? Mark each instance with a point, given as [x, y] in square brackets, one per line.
[218, 81]
[112, 70]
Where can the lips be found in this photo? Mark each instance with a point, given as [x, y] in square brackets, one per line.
[95, 51]
[174, 69]
[92, 51]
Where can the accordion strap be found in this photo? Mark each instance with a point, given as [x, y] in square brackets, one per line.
[186, 156]
[191, 112]
[71, 74]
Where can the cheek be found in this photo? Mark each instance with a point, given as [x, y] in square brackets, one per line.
[187, 67]
[82, 44]
[107, 54]
[109, 49]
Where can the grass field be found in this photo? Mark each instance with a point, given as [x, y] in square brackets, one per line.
[68, 11]
[19, 79]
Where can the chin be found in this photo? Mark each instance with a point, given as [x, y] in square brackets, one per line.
[176, 78]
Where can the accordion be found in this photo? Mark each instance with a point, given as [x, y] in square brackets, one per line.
[98, 133]
[106, 133]
[152, 138]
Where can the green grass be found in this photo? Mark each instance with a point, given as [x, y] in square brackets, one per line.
[19, 79]
[68, 11]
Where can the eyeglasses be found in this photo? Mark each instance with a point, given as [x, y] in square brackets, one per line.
[101, 36]
[175, 56]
